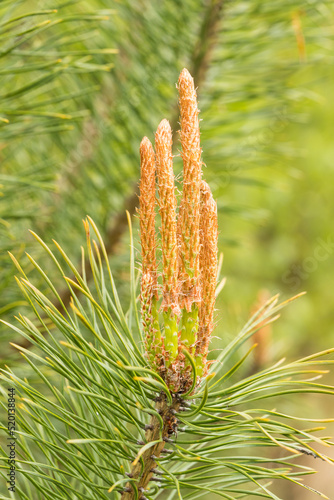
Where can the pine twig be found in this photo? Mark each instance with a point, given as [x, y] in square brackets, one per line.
[143, 470]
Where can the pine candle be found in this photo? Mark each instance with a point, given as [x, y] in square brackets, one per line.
[177, 315]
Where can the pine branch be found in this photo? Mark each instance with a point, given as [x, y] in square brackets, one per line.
[44, 94]
[93, 408]
[101, 400]
[207, 39]
[113, 384]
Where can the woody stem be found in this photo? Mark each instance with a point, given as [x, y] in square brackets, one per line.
[141, 472]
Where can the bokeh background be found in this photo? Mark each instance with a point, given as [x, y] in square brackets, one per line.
[83, 81]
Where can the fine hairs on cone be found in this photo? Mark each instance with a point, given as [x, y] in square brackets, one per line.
[177, 303]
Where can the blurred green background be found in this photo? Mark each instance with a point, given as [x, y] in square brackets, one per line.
[84, 81]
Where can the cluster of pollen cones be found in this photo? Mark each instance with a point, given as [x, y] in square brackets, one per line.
[177, 314]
